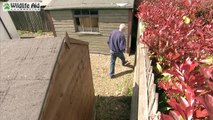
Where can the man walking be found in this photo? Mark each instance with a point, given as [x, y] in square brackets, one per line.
[117, 45]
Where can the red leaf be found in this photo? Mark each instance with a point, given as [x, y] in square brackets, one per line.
[166, 117]
[187, 2]
[207, 71]
[184, 103]
[163, 85]
[175, 114]
[172, 102]
[189, 113]
[200, 99]
[199, 113]
[209, 105]
[178, 86]
[190, 95]
[210, 83]
[189, 66]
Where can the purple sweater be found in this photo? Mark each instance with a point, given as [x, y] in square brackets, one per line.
[117, 41]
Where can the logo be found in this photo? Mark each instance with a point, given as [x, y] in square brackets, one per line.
[21, 6]
[6, 7]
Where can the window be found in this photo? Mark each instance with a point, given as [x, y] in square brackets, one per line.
[86, 20]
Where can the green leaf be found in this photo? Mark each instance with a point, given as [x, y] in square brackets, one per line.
[186, 19]
[166, 76]
[159, 68]
[181, 118]
[160, 58]
[208, 60]
[165, 109]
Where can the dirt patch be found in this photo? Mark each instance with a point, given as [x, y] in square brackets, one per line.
[113, 96]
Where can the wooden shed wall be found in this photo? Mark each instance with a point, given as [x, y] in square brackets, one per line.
[71, 92]
[108, 20]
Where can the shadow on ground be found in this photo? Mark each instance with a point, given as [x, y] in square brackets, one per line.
[112, 107]
[123, 73]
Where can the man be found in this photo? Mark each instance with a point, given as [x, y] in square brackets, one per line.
[117, 45]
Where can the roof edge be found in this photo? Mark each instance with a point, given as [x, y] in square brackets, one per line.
[74, 41]
[66, 8]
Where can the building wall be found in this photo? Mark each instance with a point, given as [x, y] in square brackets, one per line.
[108, 21]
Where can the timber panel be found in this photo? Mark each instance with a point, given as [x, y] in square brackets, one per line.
[71, 94]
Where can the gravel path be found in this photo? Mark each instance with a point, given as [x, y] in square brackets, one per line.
[113, 96]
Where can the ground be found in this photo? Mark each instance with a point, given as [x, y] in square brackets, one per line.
[113, 96]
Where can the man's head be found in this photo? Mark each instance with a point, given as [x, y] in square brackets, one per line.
[122, 27]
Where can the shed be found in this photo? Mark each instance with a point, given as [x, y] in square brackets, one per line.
[45, 79]
[92, 20]
[7, 28]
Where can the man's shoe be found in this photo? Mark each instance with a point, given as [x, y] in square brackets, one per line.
[125, 63]
[112, 76]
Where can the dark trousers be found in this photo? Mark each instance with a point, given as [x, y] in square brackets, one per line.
[113, 56]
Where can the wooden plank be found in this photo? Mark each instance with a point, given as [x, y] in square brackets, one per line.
[115, 12]
[149, 77]
[135, 95]
[8, 23]
[151, 96]
[67, 98]
[153, 112]
[61, 12]
[143, 97]
[63, 22]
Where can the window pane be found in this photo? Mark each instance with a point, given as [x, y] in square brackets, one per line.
[85, 12]
[77, 21]
[77, 12]
[94, 12]
[94, 22]
[85, 21]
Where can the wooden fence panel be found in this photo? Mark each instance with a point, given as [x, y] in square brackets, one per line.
[31, 21]
[145, 99]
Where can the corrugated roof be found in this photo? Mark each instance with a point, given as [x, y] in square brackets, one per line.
[95, 4]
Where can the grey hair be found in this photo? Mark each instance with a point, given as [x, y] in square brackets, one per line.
[122, 27]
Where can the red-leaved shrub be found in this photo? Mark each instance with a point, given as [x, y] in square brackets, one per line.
[179, 34]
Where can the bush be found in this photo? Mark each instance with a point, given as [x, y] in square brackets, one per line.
[179, 35]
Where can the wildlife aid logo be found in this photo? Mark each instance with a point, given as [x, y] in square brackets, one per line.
[6, 6]
[21, 6]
